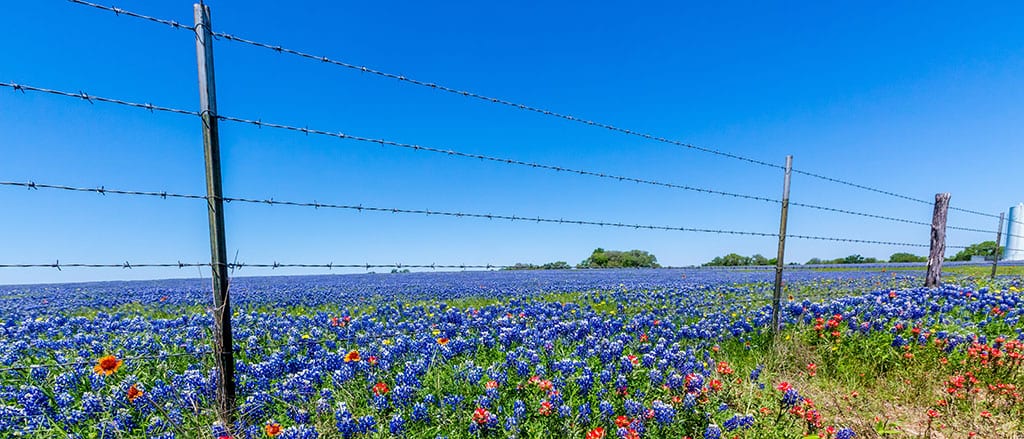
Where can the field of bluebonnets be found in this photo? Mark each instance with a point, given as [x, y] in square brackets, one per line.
[574, 354]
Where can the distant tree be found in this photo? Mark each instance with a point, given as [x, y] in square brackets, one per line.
[853, 259]
[907, 257]
[737, 260]
[729, 260]
[602, 258]
[986, 248]
[758, 260]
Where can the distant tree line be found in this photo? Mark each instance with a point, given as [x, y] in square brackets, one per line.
[558, 265]
[601, 258]
[736, 260]
[989, 249]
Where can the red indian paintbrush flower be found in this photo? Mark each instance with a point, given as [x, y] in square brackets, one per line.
[597, 433]
[480, 415]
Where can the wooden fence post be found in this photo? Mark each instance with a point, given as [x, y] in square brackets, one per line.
[938, 242]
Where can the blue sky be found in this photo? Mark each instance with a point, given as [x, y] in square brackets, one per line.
[916, 98]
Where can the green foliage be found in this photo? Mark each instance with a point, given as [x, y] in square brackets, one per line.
[557, 265]
[736, 260]
[602, 258]
[986, 248]
[907, 257]
[852, 259]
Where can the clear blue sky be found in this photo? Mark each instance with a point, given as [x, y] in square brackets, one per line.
[917, 98]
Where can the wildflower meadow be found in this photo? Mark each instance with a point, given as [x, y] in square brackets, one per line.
[586, 354]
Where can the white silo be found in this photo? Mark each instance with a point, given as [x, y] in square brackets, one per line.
[1015, 234]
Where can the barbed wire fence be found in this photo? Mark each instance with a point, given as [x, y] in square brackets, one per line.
[222, 352]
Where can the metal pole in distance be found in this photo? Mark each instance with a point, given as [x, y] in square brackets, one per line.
[999, 238]
[938, 242]
[222, 343]
[779, 261]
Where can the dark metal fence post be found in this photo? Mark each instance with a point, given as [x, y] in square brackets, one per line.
[222, 343]
[999, 238]
[938, 243]
[780, 258]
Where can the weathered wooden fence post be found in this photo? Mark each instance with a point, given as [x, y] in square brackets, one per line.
[779, 261]
[222, 343]
[938, 242]
[999, 238]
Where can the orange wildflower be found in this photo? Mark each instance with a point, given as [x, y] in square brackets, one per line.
[107, 365]
[352, 356]
[597, 433]
[133, 392]
[272, 429]
[443, 341]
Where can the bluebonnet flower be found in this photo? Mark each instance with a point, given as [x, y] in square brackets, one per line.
[564, 411]
[420, 412]
[845, 433]
[633, 408]
[663, 413]
[606, 409]
[756, 373]
[790, 398]
[518, 409]
[583, 412]
[397, 425]
[712, 432]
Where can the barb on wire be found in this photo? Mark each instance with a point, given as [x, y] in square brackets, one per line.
[124, 265]
[89, 98]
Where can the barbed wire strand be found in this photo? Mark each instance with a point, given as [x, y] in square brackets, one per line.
[504, 102]
[91, 99]
[451, 152]
[454, 214]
